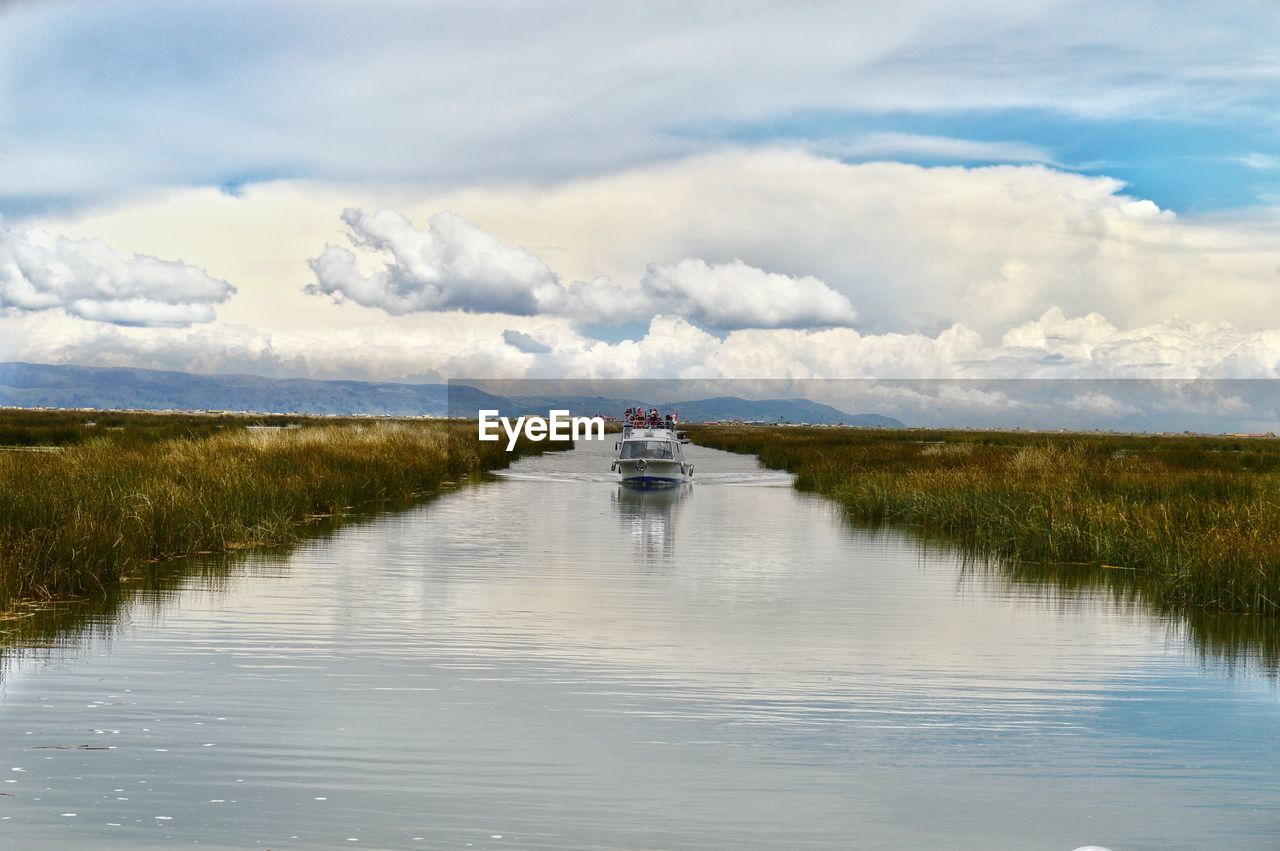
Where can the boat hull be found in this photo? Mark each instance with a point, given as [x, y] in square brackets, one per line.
[654, 482]
[653, 473]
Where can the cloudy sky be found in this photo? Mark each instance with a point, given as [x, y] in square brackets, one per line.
[412, 191]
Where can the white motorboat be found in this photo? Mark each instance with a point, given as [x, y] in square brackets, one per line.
[652, 456]
[650, 452]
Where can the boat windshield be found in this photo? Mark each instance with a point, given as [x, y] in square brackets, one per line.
[646, 449]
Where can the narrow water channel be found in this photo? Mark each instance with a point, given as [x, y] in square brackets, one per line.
[548, 661]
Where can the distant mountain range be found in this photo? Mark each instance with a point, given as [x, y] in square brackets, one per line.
[114, 388]
[776, 410]
[64, 386]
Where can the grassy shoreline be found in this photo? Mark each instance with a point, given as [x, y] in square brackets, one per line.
[1198, 517]
[73, 521]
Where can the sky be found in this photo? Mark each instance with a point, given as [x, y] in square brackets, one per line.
[806, 190]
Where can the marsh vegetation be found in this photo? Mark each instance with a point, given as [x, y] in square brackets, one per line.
[139, 488]
[1198, 518]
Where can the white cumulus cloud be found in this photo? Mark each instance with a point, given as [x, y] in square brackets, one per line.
[434, 346]
[1057, 345]
[456, 265]
[452, 265]
[997, 272]
[912, 248]
[87, 278]
[735, 295]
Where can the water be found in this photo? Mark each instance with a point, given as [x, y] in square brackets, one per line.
[548, 661]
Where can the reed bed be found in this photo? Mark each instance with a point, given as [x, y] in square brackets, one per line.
[75, 520]
[22, 427]
[1197, 518]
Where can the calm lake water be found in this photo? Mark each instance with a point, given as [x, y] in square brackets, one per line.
[548, 661]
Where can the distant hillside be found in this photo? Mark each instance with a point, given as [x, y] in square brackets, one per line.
[64, 386]
[774, 411]
[67, 386]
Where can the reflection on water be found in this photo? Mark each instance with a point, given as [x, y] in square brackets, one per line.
[549, 661]
[1238, 644]
[30, 629]
[649, 515]
[42, 629]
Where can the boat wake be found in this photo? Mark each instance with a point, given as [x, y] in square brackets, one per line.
[555, 476]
